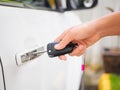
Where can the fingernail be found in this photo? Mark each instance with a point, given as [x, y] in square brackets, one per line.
[57, 46]
[81, 47]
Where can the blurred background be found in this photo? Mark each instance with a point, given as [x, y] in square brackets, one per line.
[102, 60]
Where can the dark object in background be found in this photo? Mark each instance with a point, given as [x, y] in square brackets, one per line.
[52, 5]
[89, 3]
[91, 88]
[59, 6]
[111, 60]
[80, 4]
[72, 4]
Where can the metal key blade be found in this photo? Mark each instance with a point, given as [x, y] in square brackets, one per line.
[30, 55]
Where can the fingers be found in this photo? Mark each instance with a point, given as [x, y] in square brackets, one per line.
[79, 50]
[63, 57]
[62, 39]
[65, 41]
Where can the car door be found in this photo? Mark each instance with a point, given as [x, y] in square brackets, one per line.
[24, 29]
[1, 76]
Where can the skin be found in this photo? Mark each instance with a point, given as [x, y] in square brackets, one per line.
[89, 33]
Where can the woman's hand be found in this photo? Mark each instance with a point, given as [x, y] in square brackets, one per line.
[87, 34]
[84, 35]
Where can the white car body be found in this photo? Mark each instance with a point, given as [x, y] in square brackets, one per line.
[24, 29]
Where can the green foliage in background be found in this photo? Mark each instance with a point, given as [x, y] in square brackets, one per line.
[109, 82]
[115, 82]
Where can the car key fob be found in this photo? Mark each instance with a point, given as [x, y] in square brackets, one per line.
[52, 52]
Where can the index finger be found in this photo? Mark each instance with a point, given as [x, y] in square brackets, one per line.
[64, 41]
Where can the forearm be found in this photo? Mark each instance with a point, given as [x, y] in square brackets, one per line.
[108, 25]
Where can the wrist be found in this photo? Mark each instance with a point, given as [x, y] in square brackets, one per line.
[99, 28]
[93, 26]
[108, 25]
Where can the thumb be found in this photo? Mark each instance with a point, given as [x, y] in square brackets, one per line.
[64, 42]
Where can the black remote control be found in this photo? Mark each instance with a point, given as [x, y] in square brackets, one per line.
[52, 52]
